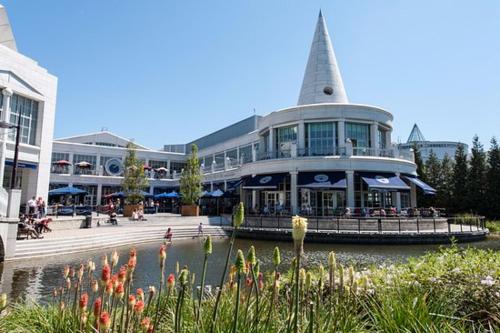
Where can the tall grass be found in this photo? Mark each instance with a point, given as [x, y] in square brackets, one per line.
[452, 290]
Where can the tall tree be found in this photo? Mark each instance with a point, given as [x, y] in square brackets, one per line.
[191, 178]
[445, 185]
[134, 178]
[433, 176]
[421, 198]
[458, 184]
[493, 181]
[476, 180]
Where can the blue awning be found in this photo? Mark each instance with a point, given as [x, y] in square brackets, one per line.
[425, 187]
[22, 165]
[165, 195]
[328, 180]
[264, 181]
[384, 181]
[68, 190]
[232, 185]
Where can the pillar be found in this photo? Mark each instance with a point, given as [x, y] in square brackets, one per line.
[301, 138]
[254, 153]
[388, 139]
[413, 195]
[271, 148]
[349, 174]
[98, 166]
[254, 198]
[7, 94]
[341, 133]
[398, 201]
[374, 138]
[99, 194]
[293, 192]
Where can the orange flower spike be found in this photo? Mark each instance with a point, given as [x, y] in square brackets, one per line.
[133, 252]
[109, 288]
[139, 307]
[145, 324]
[97, 307]
[71, 272]
[248, 282]
[131, 300]
[171, 281]
[119, 290]
[95, 286]
[106, 273]
[140, 294]
[132, 262]
[122, 274]
[84, 299]
[105, 321]
[66, 272]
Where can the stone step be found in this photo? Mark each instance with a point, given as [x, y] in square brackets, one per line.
[102, 244]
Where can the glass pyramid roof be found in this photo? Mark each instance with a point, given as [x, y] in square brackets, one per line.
[415, 135]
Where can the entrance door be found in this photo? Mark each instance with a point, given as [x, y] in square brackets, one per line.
[273, 200]
[329, 203]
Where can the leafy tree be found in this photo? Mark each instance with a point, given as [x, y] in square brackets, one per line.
[493, 181]
[433, 176]
[191, 178]
[476, 180]
[421, 199]
[134, 178]
[445, 184]
[458, 184]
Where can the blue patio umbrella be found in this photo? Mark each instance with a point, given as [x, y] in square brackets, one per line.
[68, 190]
[172, 194]
[121, 194]
[217, 193]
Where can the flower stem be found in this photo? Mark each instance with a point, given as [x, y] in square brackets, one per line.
[238, 287]
[198, 313]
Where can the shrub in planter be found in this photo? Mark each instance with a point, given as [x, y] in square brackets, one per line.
[190, 184]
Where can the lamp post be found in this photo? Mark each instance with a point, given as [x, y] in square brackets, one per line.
[4, 124]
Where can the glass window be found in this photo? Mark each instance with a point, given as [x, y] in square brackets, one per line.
[28, 109]
[219, 160]
[246, 154]
[208, 161]
[320, 138]
[359, 134]
[266, 142]
[285, 136]
[177, 166]
[382, 142]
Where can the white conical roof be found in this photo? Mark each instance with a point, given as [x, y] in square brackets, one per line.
[6, 35]
[322, 80]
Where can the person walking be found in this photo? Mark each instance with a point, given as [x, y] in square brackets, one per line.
[200, 229]
[31, 206]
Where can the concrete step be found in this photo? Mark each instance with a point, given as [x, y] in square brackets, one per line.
[51, 247]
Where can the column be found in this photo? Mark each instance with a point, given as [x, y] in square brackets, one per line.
[341, 132]
[7, 93]
[301, 138]
[271, 148]
[294, 202]
[254, 152]
[98, 167]
[388, 138]
[413, 195]
[99, 194]
[254, 198]
[71, 168]
[396, 197]
[350, 188]
[238, 155]
[225, 185]
[374, 138]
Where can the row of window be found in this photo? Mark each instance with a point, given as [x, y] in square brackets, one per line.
[27, 109]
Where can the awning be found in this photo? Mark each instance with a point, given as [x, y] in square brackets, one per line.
[22, 165]
[384, 181]
[264, 181]
[68, 190]
[425, 187]
[328, 180]
[232, 185]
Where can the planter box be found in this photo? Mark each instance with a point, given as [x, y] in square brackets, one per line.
[190, 210]
[128, 209]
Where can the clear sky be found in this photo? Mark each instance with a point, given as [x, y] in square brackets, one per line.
[172, 71]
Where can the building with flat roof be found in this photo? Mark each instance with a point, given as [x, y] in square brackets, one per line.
[319, 156]
[440, 148]
[27, 90]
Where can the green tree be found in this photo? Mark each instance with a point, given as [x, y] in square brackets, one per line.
[476, 180]
[433, 176]
[458, 184]
[421, 199]
[493, 181]
[134, 179]
[191, 178]
[445, 184]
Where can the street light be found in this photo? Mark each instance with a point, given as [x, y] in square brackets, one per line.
[4, 124]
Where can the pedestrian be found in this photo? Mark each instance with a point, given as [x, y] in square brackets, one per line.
[200, 229]
[31, 206]
[168, 235]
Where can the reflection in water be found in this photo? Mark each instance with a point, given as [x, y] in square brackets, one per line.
[37, 278]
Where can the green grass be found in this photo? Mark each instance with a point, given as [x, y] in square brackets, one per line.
[451, 290]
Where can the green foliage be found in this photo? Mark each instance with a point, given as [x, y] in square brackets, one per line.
[445, 183]
[460, 173]
[190, 181]
[448, 291]
[476, 178]
[493, 181]
[134, 178]
[493, 226]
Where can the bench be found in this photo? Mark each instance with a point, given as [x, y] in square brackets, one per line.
[21, 233]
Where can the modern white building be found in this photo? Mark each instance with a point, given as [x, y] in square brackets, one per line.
[440, 148]
[320, 155]
[27, 90]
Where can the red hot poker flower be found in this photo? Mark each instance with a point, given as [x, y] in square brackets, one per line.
[131, 300]
[106, 273]
[122, 274]
[139, 307]
[97, 307]
[119, 290]
[140, 294]
[84, 299]
[171, 280]
[105, 320]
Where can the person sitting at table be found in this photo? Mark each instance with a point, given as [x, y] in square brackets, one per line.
[140, 215]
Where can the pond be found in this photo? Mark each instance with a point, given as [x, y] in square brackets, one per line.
[35, 279]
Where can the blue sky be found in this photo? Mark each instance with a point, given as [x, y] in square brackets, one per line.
[169, 72]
